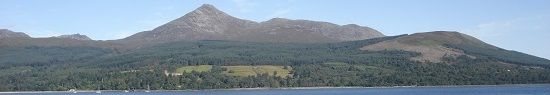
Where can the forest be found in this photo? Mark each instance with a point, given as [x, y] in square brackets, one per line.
[41, 68]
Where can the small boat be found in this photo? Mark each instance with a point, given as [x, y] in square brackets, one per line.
[148, 89]
[98, 90]
[73, 90]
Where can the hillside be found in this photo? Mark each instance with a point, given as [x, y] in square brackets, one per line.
[441, 45]
[313, 64]
[432, 45]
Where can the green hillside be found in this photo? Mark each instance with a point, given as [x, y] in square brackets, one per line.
[234, 64]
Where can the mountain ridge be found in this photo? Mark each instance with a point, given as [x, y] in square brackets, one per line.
[74, 36]
[209, 23]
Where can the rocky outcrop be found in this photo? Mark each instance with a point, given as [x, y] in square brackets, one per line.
[74, 36]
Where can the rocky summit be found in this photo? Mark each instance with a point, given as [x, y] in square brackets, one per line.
[74, 36]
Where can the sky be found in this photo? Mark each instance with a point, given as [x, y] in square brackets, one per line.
[520, 25]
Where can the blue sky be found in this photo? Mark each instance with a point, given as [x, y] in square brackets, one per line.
[521, 25]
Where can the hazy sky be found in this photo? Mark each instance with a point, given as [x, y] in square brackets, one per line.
[521, 25]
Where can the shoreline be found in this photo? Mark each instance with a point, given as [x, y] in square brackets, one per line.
[352, 87]
[269, 88]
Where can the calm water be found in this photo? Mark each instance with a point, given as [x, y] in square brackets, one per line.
[462, 90]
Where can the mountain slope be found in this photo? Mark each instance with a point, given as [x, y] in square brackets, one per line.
[209, 23]
[5, 33]
[236, 52]
[440, 45]
[312, 64]
[431, 45]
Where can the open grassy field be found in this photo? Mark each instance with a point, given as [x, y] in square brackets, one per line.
[199, 68]
[254, 70]
[242, 70]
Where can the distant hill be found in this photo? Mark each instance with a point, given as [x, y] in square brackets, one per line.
[5, 33]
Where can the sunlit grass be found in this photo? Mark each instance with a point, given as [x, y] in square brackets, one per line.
[244, 71]
[199, 68]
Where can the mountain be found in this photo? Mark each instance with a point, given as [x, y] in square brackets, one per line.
[427, 47]
[62, 64]
[383, 61]
[209, 23]
[21, 40]
[5, 33]
[74, 36]
[209, 49]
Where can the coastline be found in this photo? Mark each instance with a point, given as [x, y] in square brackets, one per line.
[361, 87]
[269, 88]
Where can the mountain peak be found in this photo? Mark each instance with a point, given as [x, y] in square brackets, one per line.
[74, 36]
[207, 6]
[5, 33]
[203, 23]
[206, 10]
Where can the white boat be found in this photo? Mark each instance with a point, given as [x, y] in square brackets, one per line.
[73, 90]
[148, 89]
[98, 90]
